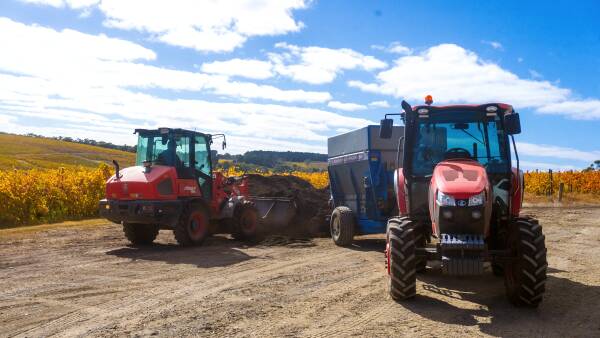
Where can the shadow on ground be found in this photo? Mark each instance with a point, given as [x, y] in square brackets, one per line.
[214, 252]
[368, 244]
[486, 306]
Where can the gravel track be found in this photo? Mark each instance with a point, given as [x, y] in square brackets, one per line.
[80, 281]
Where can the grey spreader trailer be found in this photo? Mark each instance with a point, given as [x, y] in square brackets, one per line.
[361, 178]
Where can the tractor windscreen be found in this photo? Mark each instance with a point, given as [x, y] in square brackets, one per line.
[459, 134]
[170, 150]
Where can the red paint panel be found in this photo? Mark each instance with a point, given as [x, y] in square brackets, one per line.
[135, 183]
[460, 178]
[516, 193]
[401, 192]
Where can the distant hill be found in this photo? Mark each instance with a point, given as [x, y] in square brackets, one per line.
[278, 161]
[26, 152]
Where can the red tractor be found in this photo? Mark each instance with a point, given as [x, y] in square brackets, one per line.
[459, 200]
[173, 186]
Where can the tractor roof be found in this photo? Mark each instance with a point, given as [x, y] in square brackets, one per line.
[503, 106]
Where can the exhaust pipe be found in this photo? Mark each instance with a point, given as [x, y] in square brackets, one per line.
[116, 164]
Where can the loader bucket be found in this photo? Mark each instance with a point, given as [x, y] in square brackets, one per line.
[275, 211]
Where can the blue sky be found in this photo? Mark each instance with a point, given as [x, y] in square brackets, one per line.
[285, 75]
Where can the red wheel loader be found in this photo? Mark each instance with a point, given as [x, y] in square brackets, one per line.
[173, 186]
[459, 200]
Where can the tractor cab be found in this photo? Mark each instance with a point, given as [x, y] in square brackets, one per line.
[188, 152]
[458, 139]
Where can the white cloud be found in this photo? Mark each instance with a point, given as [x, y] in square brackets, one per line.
[252, 69]
[577, 109]
[318, 65]
[395, 48]
[74, 84]
[346, 106]
[494, 44]
[532, 165]
[550, 151]
[75, 4]
[211, 26]
[72, 59]
[379, 104]
[453, 74]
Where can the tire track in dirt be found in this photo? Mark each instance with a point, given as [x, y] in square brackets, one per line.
[68, 282]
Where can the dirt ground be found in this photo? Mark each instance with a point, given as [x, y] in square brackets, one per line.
[86, 280]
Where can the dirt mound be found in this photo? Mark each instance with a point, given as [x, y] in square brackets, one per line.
[312, 203]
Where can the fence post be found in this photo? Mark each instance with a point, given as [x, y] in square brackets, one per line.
[551, 183]
[561, 187]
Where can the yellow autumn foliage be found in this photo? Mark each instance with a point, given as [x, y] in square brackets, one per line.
[50, 195]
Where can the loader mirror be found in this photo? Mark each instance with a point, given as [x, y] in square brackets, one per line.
[386, 128]
[512, 124]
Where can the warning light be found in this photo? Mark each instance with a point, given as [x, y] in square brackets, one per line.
[428, 100]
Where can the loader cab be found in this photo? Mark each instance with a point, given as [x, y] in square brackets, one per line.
[460, 132]
[188, 151]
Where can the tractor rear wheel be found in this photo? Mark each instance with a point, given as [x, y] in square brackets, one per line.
[245, 225]
[342, 226]
[193, 226]
[401, 239]
[525, 276]
[140, 234]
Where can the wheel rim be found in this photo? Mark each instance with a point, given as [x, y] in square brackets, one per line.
[197, 226]
[249, 221]
[335, 228]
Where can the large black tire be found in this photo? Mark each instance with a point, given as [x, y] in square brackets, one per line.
[193, 227]
[140, 234]
[525, 276]
[401, 259]
[245, 218]
[342, 226]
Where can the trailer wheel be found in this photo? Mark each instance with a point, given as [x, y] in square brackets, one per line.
[525, 276]
[192, 228]
[140, 234]
[401, 260]
[342, 226]
[245, 222]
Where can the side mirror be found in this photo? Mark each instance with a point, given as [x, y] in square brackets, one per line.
[512, 124]
[385, 128]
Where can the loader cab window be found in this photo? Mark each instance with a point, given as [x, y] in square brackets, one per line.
[454, 134]
[169, 150]
[203, 165]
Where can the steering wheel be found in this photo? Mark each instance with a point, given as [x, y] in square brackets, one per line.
[457, 153]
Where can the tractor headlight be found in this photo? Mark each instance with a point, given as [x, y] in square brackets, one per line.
[445, 200]
[476, 199]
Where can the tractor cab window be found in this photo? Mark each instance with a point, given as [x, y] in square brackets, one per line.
[448, 135]
[169, 150]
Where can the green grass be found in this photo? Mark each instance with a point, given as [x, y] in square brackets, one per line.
[25, 152]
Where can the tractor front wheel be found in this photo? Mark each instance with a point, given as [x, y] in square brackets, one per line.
[246, 222]
[192, 228]
[525, 276]
[401, 239]
[140, 234]
[342, 226]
